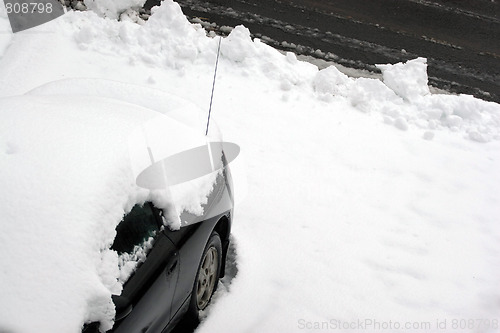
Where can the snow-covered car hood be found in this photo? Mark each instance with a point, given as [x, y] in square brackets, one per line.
[67, 179]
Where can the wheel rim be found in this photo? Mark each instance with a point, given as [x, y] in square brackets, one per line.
[207, 277]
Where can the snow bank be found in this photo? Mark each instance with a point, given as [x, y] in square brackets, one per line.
[59, 212]
[112, 9]
[67, 181]
[404, 100]
[168, 40]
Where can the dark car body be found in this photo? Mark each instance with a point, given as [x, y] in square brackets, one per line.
[158, 294]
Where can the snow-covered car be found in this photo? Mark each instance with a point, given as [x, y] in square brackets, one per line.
[180, 271]
[84, 244]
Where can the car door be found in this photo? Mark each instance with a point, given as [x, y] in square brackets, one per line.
[146, 300]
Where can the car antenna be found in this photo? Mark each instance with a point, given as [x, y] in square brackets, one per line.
[213, 86]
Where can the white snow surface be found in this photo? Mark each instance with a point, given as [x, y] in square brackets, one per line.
[61, 197]
[367, 201]
[67, 180]
[112, 9]
[5, 29]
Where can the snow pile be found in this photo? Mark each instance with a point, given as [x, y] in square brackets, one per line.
[167, 39]
[331, 81]
[112, 9]
[408, 80]
[66, 182]
[404, 100]
[373, 222]
[54, 198]
[184, 119]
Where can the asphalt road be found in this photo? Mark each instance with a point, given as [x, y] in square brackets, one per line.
[460, 38]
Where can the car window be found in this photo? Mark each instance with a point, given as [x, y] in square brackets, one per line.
[136, 228]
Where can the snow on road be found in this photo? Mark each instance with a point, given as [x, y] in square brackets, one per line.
[365, 202]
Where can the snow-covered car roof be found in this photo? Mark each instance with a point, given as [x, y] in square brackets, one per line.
[67, 179]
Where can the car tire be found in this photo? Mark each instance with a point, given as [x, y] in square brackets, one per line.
[199, 302]
[207, 276]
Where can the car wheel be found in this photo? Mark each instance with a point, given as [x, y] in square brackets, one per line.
[207, 276]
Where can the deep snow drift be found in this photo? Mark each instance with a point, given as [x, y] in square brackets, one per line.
[67, 179]
[366, 201]
[58, 211]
